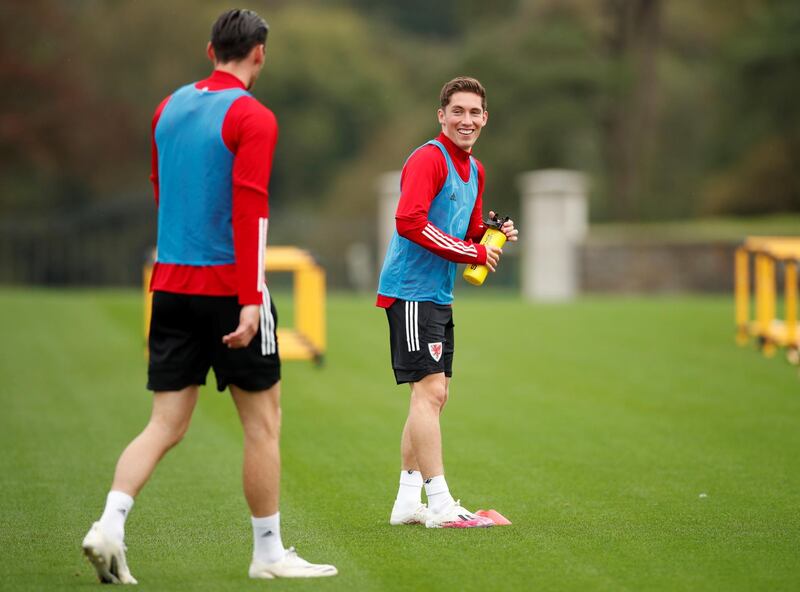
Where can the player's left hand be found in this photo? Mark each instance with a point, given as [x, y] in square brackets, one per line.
[249, 317]
[507, 228]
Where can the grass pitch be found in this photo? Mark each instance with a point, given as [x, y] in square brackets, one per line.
[631, 443]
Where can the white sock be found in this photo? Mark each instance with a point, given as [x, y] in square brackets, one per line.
[118, 506]
[267, 544]
[409, 493]
[438, 493]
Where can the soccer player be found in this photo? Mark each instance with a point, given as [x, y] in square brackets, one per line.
[438, 225]
[212, 157]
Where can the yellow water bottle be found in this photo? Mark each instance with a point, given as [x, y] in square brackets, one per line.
[476, 274]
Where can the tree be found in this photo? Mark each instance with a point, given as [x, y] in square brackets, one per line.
[759, 131]
[629, 121]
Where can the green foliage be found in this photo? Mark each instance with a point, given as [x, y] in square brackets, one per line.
[760, 121]
[331, 85]
[354, 86]
[448, 19]
[543, 81]
[51, 134]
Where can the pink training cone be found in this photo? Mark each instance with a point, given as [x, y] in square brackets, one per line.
[494, 516]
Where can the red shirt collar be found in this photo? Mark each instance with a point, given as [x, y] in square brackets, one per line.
[454, 151]
[220, 80]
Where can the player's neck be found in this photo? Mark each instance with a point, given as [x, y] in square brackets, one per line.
[239, 70]
[455, 148]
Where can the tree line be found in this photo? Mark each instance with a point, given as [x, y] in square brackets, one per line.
[675, 109]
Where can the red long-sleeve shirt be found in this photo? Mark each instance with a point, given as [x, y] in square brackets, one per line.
[250, 132]
[421, 180]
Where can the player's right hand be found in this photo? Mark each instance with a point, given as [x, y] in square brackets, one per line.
[492, 256]
[248, 327]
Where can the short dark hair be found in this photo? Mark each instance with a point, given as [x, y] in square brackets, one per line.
[235, 33]
[462, 84]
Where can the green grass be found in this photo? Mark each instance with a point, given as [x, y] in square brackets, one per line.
[594, 427]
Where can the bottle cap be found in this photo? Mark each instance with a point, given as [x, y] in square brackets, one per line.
[496, 222]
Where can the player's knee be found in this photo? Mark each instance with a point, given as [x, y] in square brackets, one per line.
[275, 423]
[432, 394]
[179, 433]
[264, 425]
[172, 432]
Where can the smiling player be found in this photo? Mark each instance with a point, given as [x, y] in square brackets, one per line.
[438, 225]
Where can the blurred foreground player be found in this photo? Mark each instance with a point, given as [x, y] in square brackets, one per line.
[438, 225]
[212, 157]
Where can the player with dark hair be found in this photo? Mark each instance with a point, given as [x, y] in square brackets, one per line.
[212, 149]
[438, 224]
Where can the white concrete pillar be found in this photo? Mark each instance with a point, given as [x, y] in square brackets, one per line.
[360, 267]
[555, 221]
[388, 195]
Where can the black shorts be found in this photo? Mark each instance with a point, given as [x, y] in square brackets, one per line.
[186, 333]
[421, 338]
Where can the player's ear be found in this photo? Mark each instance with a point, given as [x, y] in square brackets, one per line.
[485, 116]
[259, 54]
[440, 115]
[210, 53]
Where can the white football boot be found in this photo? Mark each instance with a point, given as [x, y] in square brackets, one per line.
[457, 516]
[418, 515]
[291, 566]
[107, 556]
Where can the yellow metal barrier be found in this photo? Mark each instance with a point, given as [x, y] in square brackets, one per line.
[742, 288]
[768, 254]
[307, 339]
[790, 306]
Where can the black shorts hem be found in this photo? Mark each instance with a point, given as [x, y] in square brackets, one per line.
[406, 376]
[159, 384]
[250, 384]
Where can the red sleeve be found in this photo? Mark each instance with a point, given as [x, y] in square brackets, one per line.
[154, 149]
[421, 180]
[476, 226]
[250, 131]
